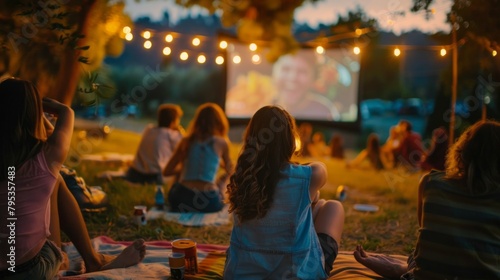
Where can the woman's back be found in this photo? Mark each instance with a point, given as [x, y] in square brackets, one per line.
[269, 247]
[202, 160]
[460, 233]
[34, 183]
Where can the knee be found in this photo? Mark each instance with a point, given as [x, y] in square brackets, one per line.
[334, 206]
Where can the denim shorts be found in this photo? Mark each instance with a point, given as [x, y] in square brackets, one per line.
[45, 265]
[135, 176]
[330, 250]
[184, 199]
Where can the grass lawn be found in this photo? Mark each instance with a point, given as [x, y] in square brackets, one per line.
[392, 229]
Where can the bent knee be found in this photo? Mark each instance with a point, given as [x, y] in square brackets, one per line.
[334, 205]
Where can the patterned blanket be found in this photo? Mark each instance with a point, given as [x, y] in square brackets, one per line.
[211, 260]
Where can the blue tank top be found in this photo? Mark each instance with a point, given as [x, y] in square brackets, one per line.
[284, 243]
[201, 163]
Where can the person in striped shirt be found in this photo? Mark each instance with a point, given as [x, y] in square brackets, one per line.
[458, 214]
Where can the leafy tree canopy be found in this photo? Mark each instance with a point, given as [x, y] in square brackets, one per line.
[52, 42]
[256, 20]
[476, 20]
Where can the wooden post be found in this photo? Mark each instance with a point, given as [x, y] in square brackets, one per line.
[454, 78]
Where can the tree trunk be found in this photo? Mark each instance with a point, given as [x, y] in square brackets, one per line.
[66, 82]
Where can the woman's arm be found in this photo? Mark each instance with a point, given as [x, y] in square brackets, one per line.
[228, 163]
[318, 178]
[421, 188]
[359, 159]
[58, 142]
[173, 166]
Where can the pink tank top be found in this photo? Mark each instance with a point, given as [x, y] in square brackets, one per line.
[34, 183]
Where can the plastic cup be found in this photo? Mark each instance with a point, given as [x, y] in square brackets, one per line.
[177, 263]
[188, 248]
[140, 214]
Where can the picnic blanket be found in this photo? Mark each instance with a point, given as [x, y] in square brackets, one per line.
[211, 260]
[192, 219]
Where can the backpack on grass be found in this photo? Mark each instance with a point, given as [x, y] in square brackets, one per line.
[90, 199]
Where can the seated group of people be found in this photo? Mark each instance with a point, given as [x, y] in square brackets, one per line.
[192, 158]
[404, 148]
[282, 229]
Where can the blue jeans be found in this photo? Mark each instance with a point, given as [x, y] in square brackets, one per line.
[184, 199]
[135, 176]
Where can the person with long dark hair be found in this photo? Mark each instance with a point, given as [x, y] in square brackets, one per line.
[371, 153]
[34, 193]
[281, 228]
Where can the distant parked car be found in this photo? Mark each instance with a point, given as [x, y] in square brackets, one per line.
[95, 112]
[410, 107]
[374, 107]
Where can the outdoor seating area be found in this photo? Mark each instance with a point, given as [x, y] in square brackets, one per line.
[248, 140]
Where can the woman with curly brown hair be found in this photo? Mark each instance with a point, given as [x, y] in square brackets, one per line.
[458, 213]
[281, 227]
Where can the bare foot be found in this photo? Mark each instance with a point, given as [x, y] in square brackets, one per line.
[131, 255]
[381, 264]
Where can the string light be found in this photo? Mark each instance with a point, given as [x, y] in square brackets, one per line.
[494, 53]
[223, 45]
[167, 51]
[219, 60]
[184, 56]
[397, 51]
[256, 59]
[236, 59]
[146, 34]
[358, 31]
[196, 41]
[129, 36]
[201, 59]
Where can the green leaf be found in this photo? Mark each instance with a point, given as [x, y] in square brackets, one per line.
[82, 48]
[60, 15]
[83, 59]
[59, 26]
[26, 13]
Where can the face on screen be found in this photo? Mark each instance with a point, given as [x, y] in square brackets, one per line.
[292, 77]
[308, 85]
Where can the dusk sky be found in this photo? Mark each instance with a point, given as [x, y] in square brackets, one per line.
[325, 11]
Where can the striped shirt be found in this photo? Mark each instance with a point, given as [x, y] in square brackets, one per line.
[460, 233]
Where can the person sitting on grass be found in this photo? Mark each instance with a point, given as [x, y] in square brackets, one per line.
[196, 160]
[371, 153]
[156, 147]
[281, 228]
[408, 154]
[436, 155]
[337, 147]
[33, 152]
[458, 214]
[388, 148]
